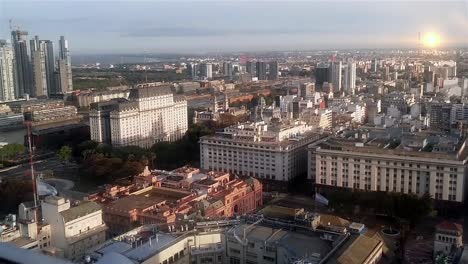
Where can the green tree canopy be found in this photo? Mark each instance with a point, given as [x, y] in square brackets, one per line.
[65, 153]
[11, 150]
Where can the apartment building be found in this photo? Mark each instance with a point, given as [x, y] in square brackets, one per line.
[151, 114]
[409, 163]
[262, 150]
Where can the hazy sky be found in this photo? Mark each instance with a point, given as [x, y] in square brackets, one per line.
[104, 26]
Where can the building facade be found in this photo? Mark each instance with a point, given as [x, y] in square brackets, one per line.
[261, 70]
[23, 70]
[273, 72]
[7, 69]
[152, 114]
[64, 67]
[339, 163]
[75, 229]
[336, 76]
[253, 150]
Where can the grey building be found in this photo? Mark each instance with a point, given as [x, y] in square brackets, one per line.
[273, 72]
[261, 70]
[23, 69]
[336, 75]
[64, 67]
[322, 74]
[228, 69]
[250, 68]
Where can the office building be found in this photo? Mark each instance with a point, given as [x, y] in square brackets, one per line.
[322, 74]
[24, 76]
[207, 71]
[7, 69]
[74, 229]
[274, 152]
[374, 65]
[350, 78]
[193, 70]
[151, 114]
[250, 68]
[39, 67]
[261, 70]
[273, 72]
[64, 67]
[386, 73]
[336, 75]
[439, 115]
[411, 164]
[228, 69]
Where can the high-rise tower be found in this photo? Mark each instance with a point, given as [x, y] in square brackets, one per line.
[350, 78]
[64, 66]
[7, 77]
[23, 70]
[336, 75]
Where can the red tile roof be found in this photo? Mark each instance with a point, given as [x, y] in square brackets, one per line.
[446, 225]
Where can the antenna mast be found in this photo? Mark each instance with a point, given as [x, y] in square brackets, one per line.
[28, 118]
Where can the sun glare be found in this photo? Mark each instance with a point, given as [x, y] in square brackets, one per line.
[431, 40]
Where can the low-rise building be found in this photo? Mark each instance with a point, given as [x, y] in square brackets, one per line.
[166, 198]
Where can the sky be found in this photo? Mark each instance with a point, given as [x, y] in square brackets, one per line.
[182, 26]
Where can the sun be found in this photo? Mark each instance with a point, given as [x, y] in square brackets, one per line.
[431, 40]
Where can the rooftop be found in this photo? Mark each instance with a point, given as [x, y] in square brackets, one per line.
[147, 199]
[150, 91]
[359, 250]
[405, 147]
[447, 225]
[84, 208]
[260, 233]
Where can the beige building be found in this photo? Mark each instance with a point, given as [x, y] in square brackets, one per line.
[152, 114]
[417, 164]
[74, 230]
[265, 151]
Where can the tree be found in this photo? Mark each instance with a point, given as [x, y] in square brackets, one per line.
[65, 153]
[11, 150]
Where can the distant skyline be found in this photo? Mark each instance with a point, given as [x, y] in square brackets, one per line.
[110, 27]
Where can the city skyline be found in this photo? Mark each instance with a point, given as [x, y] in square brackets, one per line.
[179, 27]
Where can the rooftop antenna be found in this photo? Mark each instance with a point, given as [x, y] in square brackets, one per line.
[28, 122]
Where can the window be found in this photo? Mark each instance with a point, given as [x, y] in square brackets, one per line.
[267, 258]
[233, 260]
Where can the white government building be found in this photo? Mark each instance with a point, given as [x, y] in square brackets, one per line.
[151, 114]
[267, 151]
[420, 163]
